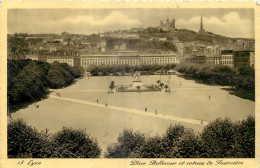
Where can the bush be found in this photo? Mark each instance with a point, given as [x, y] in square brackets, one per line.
[77, 142]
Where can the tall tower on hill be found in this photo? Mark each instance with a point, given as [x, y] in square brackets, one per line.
[201, 25]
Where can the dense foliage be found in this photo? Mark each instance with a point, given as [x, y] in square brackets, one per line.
[28, 81]
[26, 142]
[77, 142]
[219, 139]
[17, 46]
[123, 69]
[241, 80]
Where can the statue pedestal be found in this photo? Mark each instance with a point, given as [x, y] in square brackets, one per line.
[137, 83]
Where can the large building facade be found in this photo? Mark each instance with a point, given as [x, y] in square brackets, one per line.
[131, 58]
[64, 59]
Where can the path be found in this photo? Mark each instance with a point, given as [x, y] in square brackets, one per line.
[139, 112]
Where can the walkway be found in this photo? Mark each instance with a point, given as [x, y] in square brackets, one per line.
[139, 112]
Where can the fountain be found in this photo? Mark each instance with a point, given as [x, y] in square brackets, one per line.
[137, 86]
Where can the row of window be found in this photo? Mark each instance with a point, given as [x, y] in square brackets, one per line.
[227, 57]
[227, 62]
[68, 61]
[126, 61]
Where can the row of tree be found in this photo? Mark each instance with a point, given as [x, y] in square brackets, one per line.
[123, 69]
[241, 80]
[221, 138]
[28, 81]
[26, 142]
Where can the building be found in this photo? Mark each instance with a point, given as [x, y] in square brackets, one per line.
[213, 53]
[227, 58]
[131, 58]
[103, 46]
[61, 59]
[136, 30]
[241, 58]
[32, 56]
[217, 60]
[194, 53]
[167, 26]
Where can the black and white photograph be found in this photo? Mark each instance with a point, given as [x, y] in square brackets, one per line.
[131, 83]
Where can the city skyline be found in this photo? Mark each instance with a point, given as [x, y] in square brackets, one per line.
[226, 22]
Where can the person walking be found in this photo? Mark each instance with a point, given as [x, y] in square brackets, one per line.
[97, 100]
[145, 109]
[155, 112]
[106, 104]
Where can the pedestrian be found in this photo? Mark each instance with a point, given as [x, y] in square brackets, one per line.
[209, 97]
[106, 104]
[180, 84]
[201, 121]
[155, 112]
[145, 109]
[97, 100]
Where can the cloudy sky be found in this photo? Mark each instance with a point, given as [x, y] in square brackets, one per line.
[228, 22]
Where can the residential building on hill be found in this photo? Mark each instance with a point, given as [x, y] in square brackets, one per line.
[227, 58]
[241, 58]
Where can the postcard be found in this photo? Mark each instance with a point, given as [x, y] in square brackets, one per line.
[129, 84]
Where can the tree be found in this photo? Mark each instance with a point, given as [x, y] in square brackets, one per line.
[127, 144]
[161, 85]
[77, 142]
[247, 71]
[158, 82]
[77, 71]
[25, 142]
[112, 86]
[218, 138]
[60, 75]
[244, 145]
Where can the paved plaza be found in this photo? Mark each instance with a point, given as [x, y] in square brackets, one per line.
[189, 103]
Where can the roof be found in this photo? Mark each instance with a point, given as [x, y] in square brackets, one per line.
[226, 52]
[59, 57]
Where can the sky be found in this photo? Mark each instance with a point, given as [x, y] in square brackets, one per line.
[226, 21]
